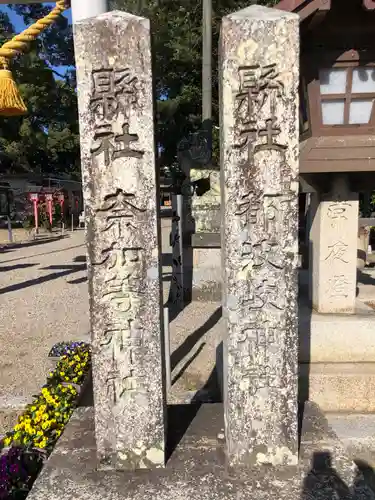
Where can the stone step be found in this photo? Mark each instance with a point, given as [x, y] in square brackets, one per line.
[334, 338]
[197, 467]
[356, 431]
[321, 447]
[340, 387]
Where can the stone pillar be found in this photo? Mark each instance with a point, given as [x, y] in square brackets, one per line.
[362, 246]
[333, 250]
[176, 292]
[260, 148]
[116, 116]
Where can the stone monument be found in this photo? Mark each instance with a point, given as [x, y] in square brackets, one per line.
[333, 249]
[259, 173]
[116, 116]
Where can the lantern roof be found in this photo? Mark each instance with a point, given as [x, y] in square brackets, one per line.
[306, 8]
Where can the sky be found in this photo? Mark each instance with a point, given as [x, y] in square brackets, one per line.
[19, 25]
[17, 20]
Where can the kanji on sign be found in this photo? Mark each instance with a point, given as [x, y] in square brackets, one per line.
[108, 85]
[115, 145]
[120, 210]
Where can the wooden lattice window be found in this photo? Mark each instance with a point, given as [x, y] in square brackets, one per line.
[304, 119]
[347, 96]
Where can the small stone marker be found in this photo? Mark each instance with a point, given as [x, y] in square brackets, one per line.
[259, 130]
[333, 249]
[119, 183]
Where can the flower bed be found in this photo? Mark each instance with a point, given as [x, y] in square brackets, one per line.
[62, 348]
[24, 449]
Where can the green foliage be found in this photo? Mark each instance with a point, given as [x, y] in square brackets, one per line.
[45, 140]
[177, 45]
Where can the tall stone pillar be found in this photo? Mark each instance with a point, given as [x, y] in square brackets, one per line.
[121, 204]
[260, 148]
[333, 249]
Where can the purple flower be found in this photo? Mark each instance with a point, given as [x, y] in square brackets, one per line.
[62, 348]
[14, 468]
[4, 491]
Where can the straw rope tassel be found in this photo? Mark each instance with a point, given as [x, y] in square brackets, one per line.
[11, 103]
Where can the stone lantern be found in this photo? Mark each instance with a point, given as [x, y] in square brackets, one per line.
[337, 138]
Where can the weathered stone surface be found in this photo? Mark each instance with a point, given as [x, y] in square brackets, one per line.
[206, 203]
[196, 470]
[259, 132]
[207, 274]
[333, 249]
[321, 447]
[337, 359]
[119, 183]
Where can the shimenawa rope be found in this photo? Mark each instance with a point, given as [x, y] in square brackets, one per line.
[11, 103]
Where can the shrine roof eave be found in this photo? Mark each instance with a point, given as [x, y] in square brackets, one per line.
[305, 8]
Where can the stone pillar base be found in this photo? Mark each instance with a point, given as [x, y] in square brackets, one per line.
[206, 274]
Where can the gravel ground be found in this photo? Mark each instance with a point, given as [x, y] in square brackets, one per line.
[19, 234]
[195, 336]
[43, 300]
